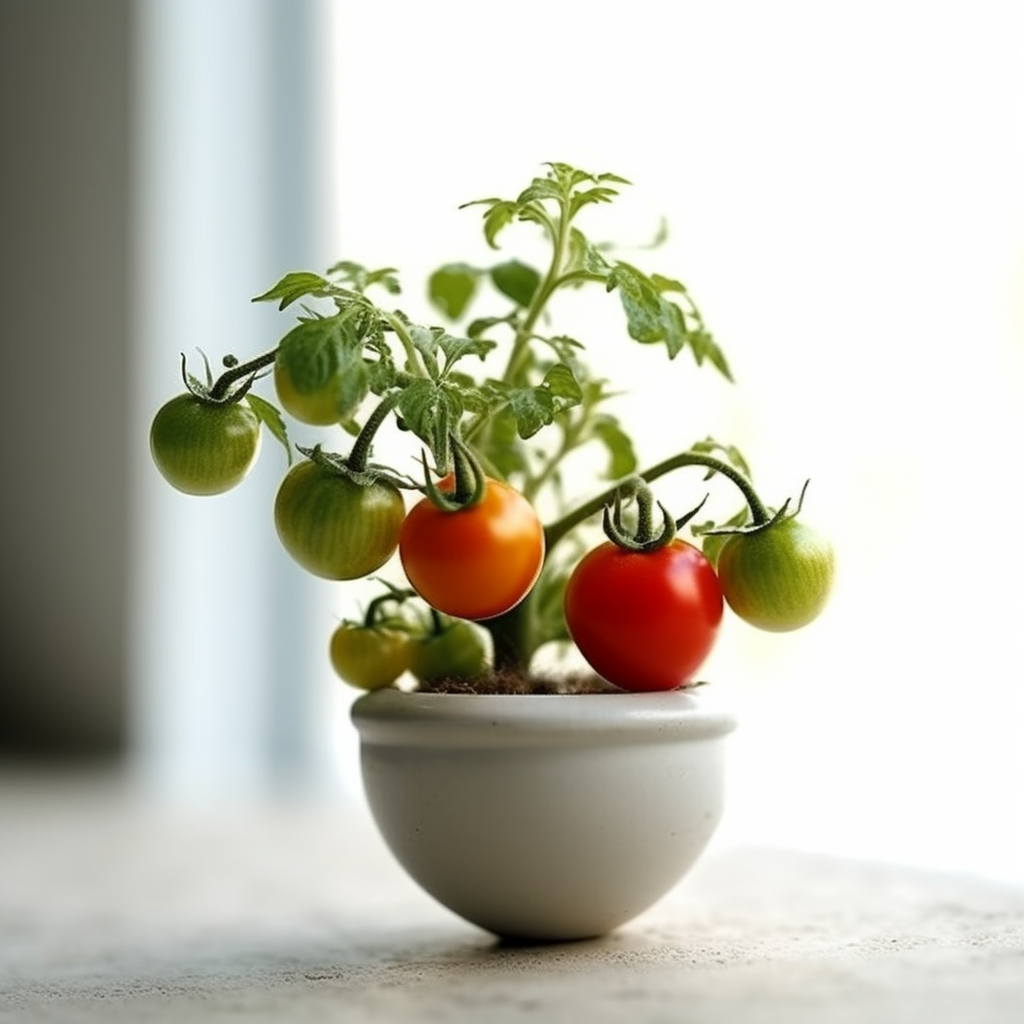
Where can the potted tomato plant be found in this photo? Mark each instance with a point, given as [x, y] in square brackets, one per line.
[523, 800]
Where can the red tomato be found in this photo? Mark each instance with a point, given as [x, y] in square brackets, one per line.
[476, 562]
[644, 621]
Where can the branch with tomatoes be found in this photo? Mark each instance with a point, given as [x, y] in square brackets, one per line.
[495, 408]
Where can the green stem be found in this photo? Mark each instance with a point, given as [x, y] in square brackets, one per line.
[555, 531]
[220, 388]
[360, 453]
[412, 356]
[521, 341]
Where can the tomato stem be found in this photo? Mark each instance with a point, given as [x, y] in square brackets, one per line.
[360, 453]
[219, 391]
[760, 515]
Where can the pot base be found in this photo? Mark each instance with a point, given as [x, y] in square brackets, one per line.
[543, 817]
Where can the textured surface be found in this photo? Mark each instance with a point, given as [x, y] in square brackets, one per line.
[111, 912]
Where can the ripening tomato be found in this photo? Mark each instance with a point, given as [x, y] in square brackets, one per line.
[334, 527]
[203, 447]
[476, 562]
[644, 620]
[368, 657]
[778, 578]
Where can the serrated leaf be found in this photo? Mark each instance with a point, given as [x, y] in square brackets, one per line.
[295, 286]
[270, 416]
[517, 281]
[451, 287]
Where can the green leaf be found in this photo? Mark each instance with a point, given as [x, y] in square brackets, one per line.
[517, 281]
[270, 416]
[562, 383]
[540, 189]
[622, 460]
[598, 194]
[295, 286]
[648, 316]
[455, 348]
[704, 347]
[499, 214]
[584, 258]
[425, 340]
[451, 287]
[321, 351]
[431, 411]
[504, 451]
[485, 323]
[360, 278]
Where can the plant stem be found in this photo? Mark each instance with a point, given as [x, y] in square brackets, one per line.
[360, 453]
[555, 531]
[220, 388]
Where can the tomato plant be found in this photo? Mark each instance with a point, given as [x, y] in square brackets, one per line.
[501, 405]
[203, 447]
[777, 578]
[334, 526]
[475, 562]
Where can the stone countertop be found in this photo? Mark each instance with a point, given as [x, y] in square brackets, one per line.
[111, 910]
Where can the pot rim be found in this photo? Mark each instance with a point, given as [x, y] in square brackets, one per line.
[400, 718]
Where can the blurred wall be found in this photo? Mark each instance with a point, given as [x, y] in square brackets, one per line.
[65, 176]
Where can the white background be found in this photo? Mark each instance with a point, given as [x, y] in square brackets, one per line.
[843, 186]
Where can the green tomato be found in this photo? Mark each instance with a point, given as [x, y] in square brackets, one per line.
[369, 658]
[778, 578]
[204, 447]
[459, 651]
[318, 407]
[334, 527]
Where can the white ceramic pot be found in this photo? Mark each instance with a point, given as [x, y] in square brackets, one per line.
[544, 817]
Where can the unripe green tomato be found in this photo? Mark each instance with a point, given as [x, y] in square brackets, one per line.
[368, 658]
[334, 527]
[778, 578]
[458, 652]
[203, 447]
[318, 407]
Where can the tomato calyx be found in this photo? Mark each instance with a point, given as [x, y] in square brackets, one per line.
[641, 538]
[759, 524]
[356, 465]
[470, 481]
[232, 385]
